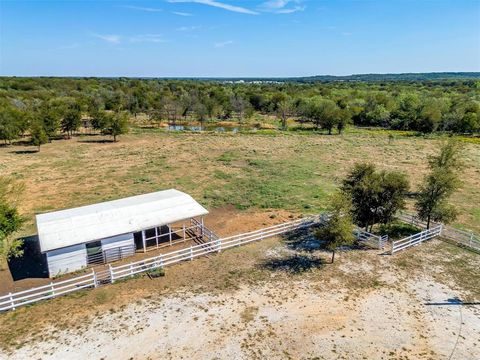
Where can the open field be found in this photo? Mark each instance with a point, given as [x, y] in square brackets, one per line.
[289, 171]
[272, 299]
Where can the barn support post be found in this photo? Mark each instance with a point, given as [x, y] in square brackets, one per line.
[201, 228]
[144, 241]
[156, 235]
[184, 236]
[170, 234]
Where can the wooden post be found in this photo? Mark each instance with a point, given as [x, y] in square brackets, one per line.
[11, 300]
[94, 278]
[111, 273]
[191, 253]
[144, 241]
[53, 289]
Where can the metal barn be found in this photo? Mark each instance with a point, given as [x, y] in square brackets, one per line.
[73, 239]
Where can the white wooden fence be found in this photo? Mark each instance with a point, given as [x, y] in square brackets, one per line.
[416, 239]
[54, 289]
[12, 301]
[462, 237]
[371, 240]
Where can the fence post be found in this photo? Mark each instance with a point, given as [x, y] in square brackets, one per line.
[219, 245]
[11, 300]
[131, 270]
[191, 253]
[111, 273]
[53, 289]
[94, 278]
[161, 261]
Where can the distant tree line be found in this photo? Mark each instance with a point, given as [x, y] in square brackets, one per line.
[46, 107]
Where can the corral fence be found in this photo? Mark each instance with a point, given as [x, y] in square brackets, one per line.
[416, 239]
[95, 278]
[54, 289]
[463, 238]
[370, 240]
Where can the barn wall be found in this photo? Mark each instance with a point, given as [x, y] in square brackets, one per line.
[125, 243]
[65, 260]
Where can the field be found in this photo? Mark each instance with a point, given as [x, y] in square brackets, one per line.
[269, 299]
[293, 172]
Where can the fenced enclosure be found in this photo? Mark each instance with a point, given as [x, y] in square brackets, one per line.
[416, 239]
[461, 237]
[12, 301]
[215, 244]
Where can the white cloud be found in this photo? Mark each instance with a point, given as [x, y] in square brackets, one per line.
[346, 33]
[218, 4]
[179, 13]
[140, 8]
[153, 38]
[222, 44]
[110, 38]
[188, 28]
[281, 6]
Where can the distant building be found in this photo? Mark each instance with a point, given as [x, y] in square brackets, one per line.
[73, 239]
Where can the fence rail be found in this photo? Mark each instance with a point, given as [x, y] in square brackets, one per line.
[54, 289]
[416, 239]
[462, 237]
[12, 301]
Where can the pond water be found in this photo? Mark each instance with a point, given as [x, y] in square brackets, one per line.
[215, 128]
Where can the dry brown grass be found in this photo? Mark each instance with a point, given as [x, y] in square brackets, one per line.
[289, 171]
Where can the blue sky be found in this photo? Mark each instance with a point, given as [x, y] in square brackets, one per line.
[237, 38]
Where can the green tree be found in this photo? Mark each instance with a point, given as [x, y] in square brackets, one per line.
[38, 134]
[10, 220]
[285, 108]
[115, 124]
[338, 229]
[439, 185]
[375, 195]
[71, 121]
[10, 119]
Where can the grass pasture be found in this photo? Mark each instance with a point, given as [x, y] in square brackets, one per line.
[290, 171]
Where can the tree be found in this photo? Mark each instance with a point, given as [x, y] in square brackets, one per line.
[115, 124]
[71, 120]
[284, 110]
[375, 195]
[10, 220]
[439, 185]
[10, 119]
[38, 134]
[338, 229]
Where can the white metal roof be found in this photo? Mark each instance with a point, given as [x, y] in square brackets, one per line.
[68, 227]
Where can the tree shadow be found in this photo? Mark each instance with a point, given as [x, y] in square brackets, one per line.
[95, 141]
[23, 152]
[294, 264]
[303, 239]
[33, 264]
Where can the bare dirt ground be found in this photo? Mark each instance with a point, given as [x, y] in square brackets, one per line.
[276, 302]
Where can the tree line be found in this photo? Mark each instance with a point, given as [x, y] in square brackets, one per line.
[47, 107]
